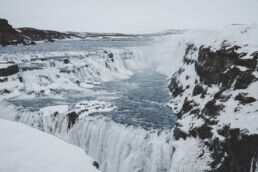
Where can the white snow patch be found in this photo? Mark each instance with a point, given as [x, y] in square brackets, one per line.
[24, 149]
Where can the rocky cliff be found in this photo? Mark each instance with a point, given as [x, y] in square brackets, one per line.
[9, 35]
[215, 98]
[12, 36]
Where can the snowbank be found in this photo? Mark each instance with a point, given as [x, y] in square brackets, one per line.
[24, 149]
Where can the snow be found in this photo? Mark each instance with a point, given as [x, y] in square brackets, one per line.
[24, 149]
[45, 73]
[52, 109]
[93, 106]
[5, 65]
[190, 155]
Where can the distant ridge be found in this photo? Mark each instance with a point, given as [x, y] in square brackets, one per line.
[29, 35]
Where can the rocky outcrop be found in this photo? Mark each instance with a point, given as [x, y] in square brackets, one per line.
[26, 36]
[72, 116]
[218, 78]
[95, 164]
[9, 35]
[8, 69]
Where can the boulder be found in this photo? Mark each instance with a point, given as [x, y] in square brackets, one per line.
[198, 89]
[7, 69]
[72, 116]
[244, 99]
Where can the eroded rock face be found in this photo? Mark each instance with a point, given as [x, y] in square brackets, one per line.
[218, 78]
[241, 149]
[9, 35]
[219, 67]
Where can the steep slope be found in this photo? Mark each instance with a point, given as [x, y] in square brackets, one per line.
[215, 97]
[24, 149]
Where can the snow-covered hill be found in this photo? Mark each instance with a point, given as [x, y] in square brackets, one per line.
[24, 149]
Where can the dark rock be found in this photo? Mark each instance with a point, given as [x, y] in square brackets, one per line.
[107, 65]
[241, 151]
[202, 132]
[175, 88]
[217, 149]
[95, 164]
[66, 61]
[249, 63]
[204, 93]
[9, 70]
[224, 131]
[78, 83]
[220, 96]
[198, 89]
[190, 49]
[28, 36]
[42, 35]
[187, 107]
[5, 91]
[20, 79]
[195, 111]
[243, 99]
[211, 64]
[229, 76]
[179, 134]
[4, 80]
[55, 114]
[111, 56]
[72, 118]
[216, 67]
[211, 109]
[244, 80]
[9, 36]
[50, 40]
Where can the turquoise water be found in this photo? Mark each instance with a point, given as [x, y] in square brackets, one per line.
[140, 101]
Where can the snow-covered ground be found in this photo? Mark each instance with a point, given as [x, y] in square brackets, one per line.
[25, 149]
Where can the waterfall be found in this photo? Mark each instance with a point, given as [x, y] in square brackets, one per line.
[123, 148]
[114, 146]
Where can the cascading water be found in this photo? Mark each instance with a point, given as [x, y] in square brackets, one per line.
[119, 148]
[134, 137]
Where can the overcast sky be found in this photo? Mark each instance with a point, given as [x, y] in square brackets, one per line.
[128, 16]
